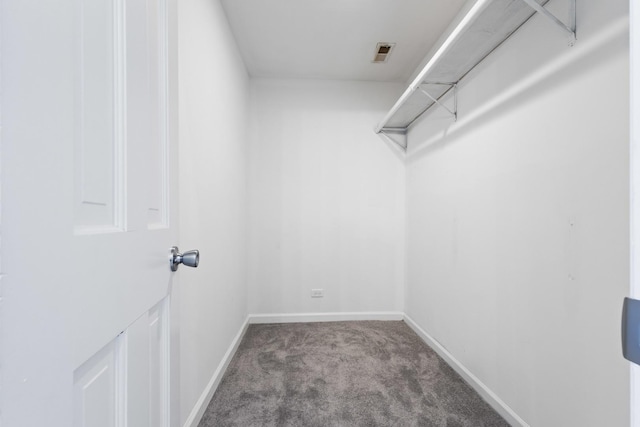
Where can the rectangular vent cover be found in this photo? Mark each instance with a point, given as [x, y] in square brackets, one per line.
[383, 50]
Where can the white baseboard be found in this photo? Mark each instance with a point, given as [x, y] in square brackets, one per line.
[201, 405]
[489, 396]
[324, 317]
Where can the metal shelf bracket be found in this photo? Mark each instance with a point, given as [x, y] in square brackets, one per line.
[403, 138]
[569, 28]
[453, 86]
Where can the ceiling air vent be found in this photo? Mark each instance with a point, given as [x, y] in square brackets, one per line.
[383, 50]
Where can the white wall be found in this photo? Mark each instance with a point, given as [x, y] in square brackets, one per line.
[518, 225]
[213, 115]
[326, 199]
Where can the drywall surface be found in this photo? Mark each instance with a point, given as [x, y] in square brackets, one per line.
[518, 224]
[326, 199]
[213, 113]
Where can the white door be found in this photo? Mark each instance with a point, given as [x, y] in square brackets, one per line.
[88, 211]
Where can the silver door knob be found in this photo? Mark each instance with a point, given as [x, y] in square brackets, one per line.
[189, 258]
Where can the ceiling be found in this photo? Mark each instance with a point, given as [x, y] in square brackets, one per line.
[336, 39]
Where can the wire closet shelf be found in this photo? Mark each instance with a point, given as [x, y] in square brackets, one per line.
[481, 27]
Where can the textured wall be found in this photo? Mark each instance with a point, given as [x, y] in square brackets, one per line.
[517, 221]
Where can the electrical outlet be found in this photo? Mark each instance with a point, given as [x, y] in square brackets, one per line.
[317, 293]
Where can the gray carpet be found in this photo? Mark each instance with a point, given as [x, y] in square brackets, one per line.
[369, 373]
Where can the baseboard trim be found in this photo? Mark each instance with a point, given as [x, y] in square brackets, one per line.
[324, 317]
[201, 405]
[489, 396]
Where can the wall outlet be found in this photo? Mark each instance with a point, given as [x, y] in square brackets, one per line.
[317, 293]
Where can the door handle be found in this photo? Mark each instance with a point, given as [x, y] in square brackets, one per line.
[189, 258]
[631, 330]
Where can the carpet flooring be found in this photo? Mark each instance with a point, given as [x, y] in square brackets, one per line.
[364, 373]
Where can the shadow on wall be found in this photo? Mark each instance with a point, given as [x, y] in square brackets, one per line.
[395, 148]
[586, 55]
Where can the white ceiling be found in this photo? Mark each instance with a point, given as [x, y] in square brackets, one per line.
[336, 39]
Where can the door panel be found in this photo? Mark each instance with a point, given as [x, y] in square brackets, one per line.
[147, 342]
[88, 177]
[97, 388]
[158, 365]
[98, 116]
[131, 369]
[147, 107]
[138, 354]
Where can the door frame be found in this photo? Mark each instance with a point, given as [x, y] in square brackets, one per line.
[634, 119]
